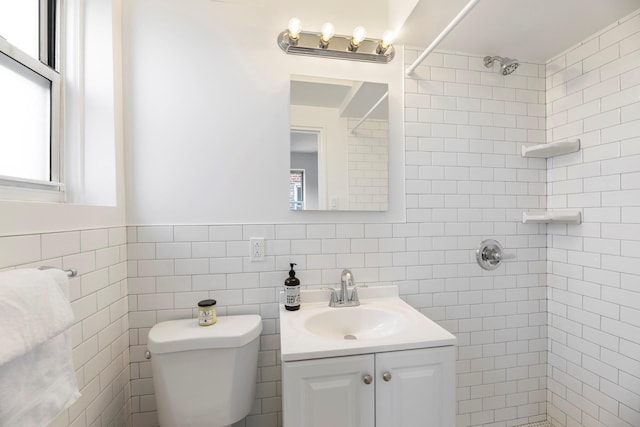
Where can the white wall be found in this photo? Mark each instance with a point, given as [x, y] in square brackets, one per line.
[207, 95]
[399, 11]
[593, 93]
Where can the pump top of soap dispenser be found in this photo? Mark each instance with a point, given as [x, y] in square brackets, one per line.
[292, 280]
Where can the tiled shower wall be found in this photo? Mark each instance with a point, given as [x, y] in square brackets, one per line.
[99, 301]
[593, 93]
[465, 182]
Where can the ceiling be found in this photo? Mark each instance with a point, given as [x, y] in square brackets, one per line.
[530, 30]
[352, 98]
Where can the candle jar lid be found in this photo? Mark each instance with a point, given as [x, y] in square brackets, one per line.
[207, 303]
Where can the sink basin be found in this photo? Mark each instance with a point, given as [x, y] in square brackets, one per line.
[382, 322]
[355, 323]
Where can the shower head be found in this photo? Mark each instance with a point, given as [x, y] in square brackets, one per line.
[507, 65]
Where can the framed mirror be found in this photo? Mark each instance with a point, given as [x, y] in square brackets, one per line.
[339, 145]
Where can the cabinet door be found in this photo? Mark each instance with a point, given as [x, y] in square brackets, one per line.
[328, 392]
[416, 388]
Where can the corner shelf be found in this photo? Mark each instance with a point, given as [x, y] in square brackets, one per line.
[551, 149]
[555, 217]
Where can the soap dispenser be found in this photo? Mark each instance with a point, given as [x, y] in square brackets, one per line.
[292, 291]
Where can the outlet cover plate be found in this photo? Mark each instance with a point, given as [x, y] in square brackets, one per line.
[256, 245]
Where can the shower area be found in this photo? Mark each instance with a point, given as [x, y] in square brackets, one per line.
[539, 153]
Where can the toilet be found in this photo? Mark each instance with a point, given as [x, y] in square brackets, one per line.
[205, 376]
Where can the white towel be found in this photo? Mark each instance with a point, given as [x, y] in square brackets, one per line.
[37, 378]
[34, 306]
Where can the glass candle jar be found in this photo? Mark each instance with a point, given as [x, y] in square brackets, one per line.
[207, 312]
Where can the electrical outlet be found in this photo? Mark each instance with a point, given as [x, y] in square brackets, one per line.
[257, 248]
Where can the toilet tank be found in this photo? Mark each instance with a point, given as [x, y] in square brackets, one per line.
[205, 375]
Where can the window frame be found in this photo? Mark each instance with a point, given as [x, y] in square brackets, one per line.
[16, 188]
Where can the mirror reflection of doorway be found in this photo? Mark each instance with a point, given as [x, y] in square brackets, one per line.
[304, 182]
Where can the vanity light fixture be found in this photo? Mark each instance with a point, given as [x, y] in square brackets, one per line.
[326, 43]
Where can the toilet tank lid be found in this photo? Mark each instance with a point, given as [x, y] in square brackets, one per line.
[185, 334]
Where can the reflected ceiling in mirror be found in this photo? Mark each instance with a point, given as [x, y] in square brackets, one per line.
[339, 145]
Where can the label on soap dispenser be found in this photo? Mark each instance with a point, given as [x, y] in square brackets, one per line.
[292, 295]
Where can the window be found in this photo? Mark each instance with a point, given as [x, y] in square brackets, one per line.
[30, 101]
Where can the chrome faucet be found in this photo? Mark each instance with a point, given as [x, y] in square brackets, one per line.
[342, 299]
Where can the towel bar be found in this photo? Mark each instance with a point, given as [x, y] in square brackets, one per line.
[71, 272]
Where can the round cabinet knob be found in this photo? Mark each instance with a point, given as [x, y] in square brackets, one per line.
[367, 379]
[386, 376]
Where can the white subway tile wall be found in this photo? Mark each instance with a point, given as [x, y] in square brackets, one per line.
[466, 181]
[594, 279]
[98, 297]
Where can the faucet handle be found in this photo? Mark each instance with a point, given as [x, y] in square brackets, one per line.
[354, 294]
[334, 296]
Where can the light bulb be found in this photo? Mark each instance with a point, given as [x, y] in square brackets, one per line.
[327, 31]
[294, 27]
[359, 34]
[387, 38]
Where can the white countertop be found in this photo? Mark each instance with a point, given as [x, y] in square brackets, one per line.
[415, 330]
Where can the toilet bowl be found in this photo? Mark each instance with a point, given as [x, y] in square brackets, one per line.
[205, 376]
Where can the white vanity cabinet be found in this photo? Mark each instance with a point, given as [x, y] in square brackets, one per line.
[416, 388]
[407, 388]
[328, 392]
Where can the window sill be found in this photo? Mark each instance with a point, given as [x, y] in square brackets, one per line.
[28, 190]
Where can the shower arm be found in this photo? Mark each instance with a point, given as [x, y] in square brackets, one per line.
[441, 36]
[491, 59]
